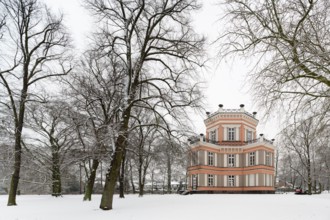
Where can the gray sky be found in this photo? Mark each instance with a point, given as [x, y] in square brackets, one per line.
[225, 82]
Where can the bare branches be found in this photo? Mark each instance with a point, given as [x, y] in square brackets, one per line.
[36, 48]
[291, 40]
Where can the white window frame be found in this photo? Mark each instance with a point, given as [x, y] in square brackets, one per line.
[231, 160]
[267, 158]
[252, 158]
[231, 132]
[210, 159]
[210, 180]
[249, 135]
[231, 180]
[213, 136]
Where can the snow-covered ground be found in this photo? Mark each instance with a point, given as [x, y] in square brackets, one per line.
[171, 207]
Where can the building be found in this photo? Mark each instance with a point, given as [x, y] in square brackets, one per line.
[231, 158]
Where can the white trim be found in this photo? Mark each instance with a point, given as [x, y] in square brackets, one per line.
[206, 159]
[215, 157]
[257, 158]
[231, 125]
[225, 163]
[237, 134]
[225, 180]
[246, 159]
[237, 160]
[213, 128]
[237, 180]
[215, 180]
[271, 159]
[206, 179]
[225, 134]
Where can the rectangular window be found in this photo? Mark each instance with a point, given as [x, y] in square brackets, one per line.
[252, 159]
[194, 158]
[231, 134]
[213, 136]
[231, 160]
[249, 136]
[210, 160]
[268, 158]
[210, 180]
[231, 180]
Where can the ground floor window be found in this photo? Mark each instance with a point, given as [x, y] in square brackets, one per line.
[231, 180]
[210, 180]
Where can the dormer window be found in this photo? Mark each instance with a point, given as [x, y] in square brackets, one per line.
[231, 134]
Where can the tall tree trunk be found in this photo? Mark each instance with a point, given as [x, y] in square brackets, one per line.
[169, 174]
[132, 180]
[113, 172]
[309, 175]
[122, 177]
[141, 184]
[18, 147]
[91, 180]
[56, 173]
[16, 174]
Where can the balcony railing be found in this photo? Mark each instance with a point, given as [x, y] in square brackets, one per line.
[230, 143]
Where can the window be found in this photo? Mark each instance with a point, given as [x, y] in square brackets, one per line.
[249, 135]
[210, 160]
[268, 158]
[231, 160]
[252, 159]
[194, 158]
[213, 136]
[194, 181]
[231, 134]
[210, 180]
[231, 180]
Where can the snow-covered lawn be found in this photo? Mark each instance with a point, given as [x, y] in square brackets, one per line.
[171, 207]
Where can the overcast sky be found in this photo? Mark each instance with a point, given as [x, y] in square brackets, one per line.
[225, 82]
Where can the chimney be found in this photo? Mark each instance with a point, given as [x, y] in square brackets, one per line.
[201, 137]
[242, 107]
[208, 114]
[220, 107]
[254, 114]
[261, 137]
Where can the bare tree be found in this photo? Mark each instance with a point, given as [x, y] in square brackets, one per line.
[96, 91]
[53, 128]
[159, 52]
[37, 44]
[302, 140]
[289, 44]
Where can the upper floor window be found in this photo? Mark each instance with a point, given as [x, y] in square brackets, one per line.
[213, 136]
[210, 180]
[231, 180]
[210, 160]
[249, 135]
[231, 134]
[268, 158]
[194, 158]
[231, 160]
[252, 159]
